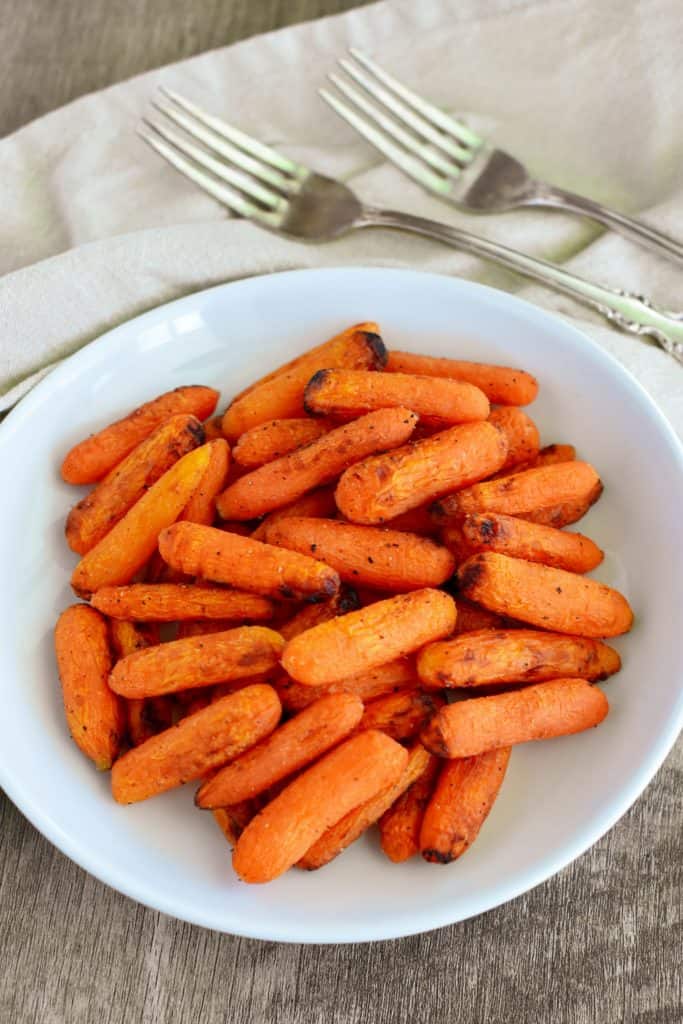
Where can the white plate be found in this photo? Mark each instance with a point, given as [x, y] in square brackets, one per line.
[558, 798]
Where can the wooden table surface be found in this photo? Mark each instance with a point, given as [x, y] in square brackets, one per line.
[601, 942]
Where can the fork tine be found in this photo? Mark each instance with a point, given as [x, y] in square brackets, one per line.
[239, 138]
[390, 126]
[220, 144]
[428, 110]
[218, 168]
[225, 195]
[404, 113]
[416, 169]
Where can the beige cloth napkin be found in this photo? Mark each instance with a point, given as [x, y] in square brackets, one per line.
[96, 228]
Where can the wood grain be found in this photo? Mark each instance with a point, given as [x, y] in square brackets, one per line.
[598, 944]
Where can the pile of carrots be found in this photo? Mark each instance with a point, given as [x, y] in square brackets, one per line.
[341, 603]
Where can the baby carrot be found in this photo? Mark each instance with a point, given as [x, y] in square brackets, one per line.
[521, 434]
[284, 480]
[349, 828]
[197, 661]
[471, 616]
[566, 513]
[548, 456]
[172, 602]
[383, 487]
[93, 517]
[350, 393]
[320, 796]
[501, 384]
[132, 541]
[399, 827]
[275, 438]
[544, 597]
[318, 504]
[291, 747]
[201, 508]
[313, 614]
[394, 677]
[93, 458]
[464, 795]
[126, 638]
[232, 821]
[245, 563]
[213, 428]
[367, 555]
[280, 395]
[370, 637]
[94, 714]
[537, 712]
[489, 656]
[400, 715]
[196, 745]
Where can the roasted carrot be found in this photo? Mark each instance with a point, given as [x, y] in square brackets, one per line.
[246, 563]
[280, 395]
[370, 637]
[416, 520]
[241, 529]
[205, 627]
[521, 434]
[346, 394]
[566, 513]
[213, 428]
[548, 456]
[472, 616]
[93, 517]
[320, 796]
[509, 535]
[489, 656]
[284, 480]
[294, 745]
[544, 597]
[94, 714]
[132, 541]
[384, 486]
[523, 493]
[318, 504]
[394, 677]
[274, 439]
[349, 828]
[400, 715]
[197, 744]
[126, 638]
[537, 712]
[173, 602]
[464, 795]
[197, 661]
[232, 821]
[313, 614]
[93, 458]
[201, 508]
[367, 555]
[501, 384]
[399, 827]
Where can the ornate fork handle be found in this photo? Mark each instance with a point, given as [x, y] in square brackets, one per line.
[548, 195]
[629, 312]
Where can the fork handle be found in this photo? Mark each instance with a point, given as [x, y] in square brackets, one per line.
[636, 230]
[626, 310]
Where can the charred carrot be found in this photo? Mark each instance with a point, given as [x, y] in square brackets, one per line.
[280, 395]
[385, 486]
[292, 746]
[284, 480]
[197, 661]
[537, 712]
[521, 434]
[370, 637]
[172, 602]
[501, 384]
[201, 508]
[93, 458]
[274, 439]
[509, 535]
[489, 656]
[399, 826]
[544, 597]
[132, 541]
[367, 555]
[400, 715]
[394, 677]
[196, 745]
[348, 393]
[337, 838]
[245, 563]
[318, 504]
[523, 493]
[94, 714]
[465, 793]
[313, 614]
[93, 517]
[320, 796]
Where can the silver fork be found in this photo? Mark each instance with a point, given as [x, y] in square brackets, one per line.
[448, 158]
[255, 181]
